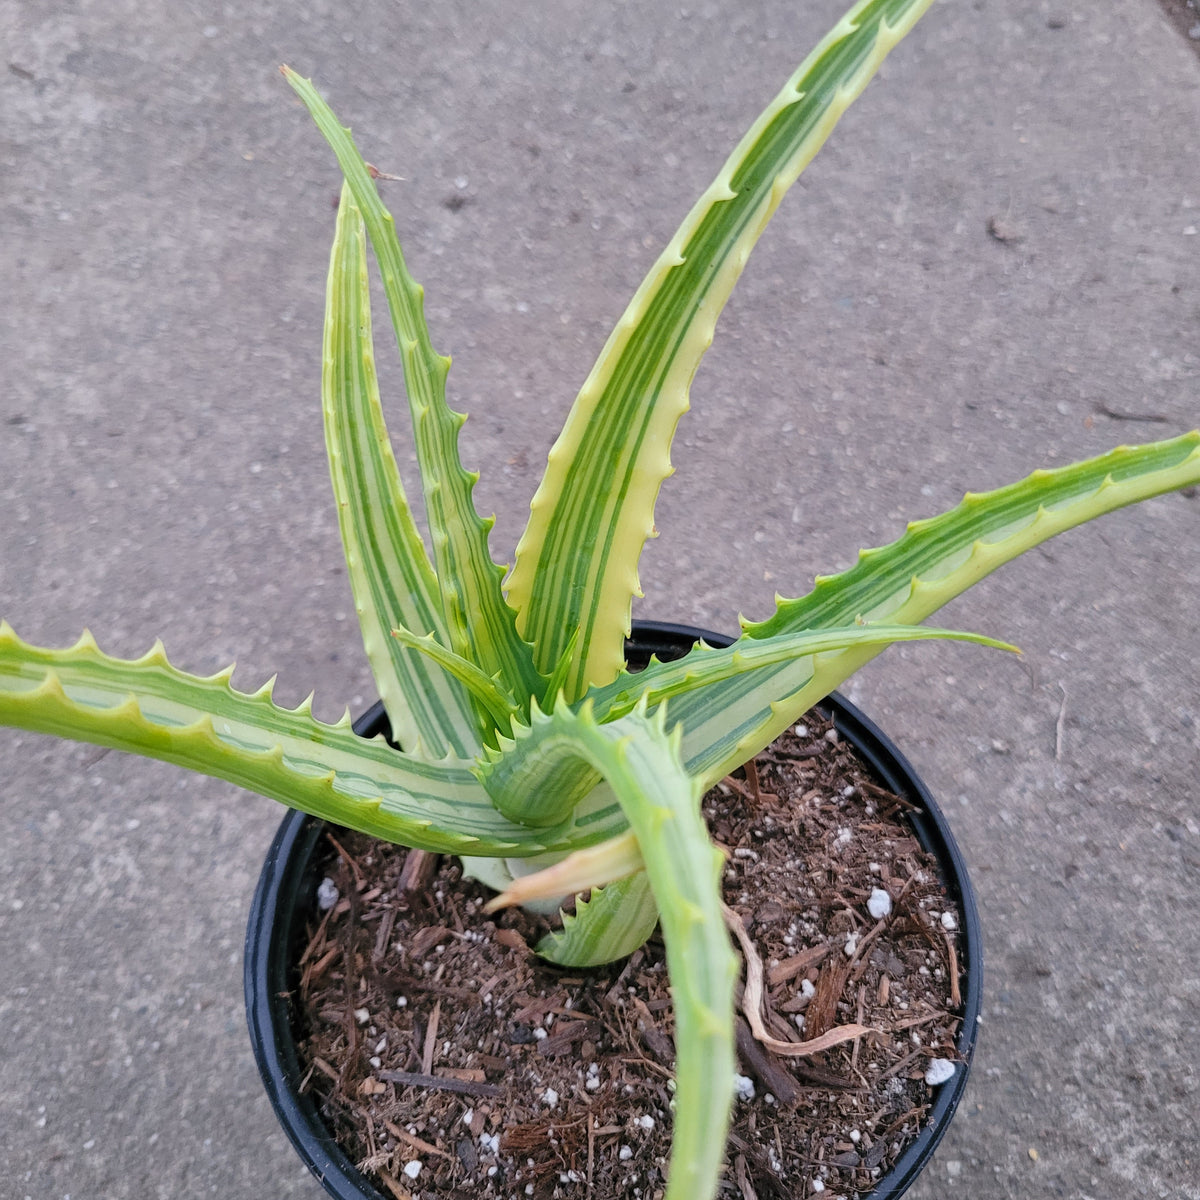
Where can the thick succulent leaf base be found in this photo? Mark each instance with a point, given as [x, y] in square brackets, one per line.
[506, 875]
[561, 878]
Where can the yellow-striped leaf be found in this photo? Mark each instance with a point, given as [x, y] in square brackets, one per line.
[576, 563]
[390, 573]
[479, 622]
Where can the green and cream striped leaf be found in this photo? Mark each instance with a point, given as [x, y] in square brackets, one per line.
[556, 681]
[907, 581]
[506, 769]
[576, 564]
[390, 573]
[705, 666]
[640, 761]
[148, 707]
[705, 683]
[480, 624]
[501, 706]
[610, 924]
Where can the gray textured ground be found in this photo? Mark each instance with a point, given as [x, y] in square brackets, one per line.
[166, 211]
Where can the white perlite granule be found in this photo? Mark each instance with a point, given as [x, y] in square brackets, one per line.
[327, 894]
[879, 903]
[940, 1070]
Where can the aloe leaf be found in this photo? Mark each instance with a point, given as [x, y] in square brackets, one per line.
[150, 708]
[641, 762]
[706, 666]
[907, 581]
[505, 770]
[707, 681]
[566, 877]
[390, 573]
[576, 563]
[479, 622]
[556, 681]
[503, 875]
[486, 691]
[610, 924]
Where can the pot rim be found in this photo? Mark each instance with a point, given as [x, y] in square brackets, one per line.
[273, 920]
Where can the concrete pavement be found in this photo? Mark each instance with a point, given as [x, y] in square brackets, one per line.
[998, 247]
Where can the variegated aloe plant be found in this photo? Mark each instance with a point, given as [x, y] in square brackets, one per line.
[521, 734]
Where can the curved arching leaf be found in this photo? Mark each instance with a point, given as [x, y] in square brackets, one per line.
[576, 564]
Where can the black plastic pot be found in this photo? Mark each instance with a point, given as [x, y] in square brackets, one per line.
[286, 895]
